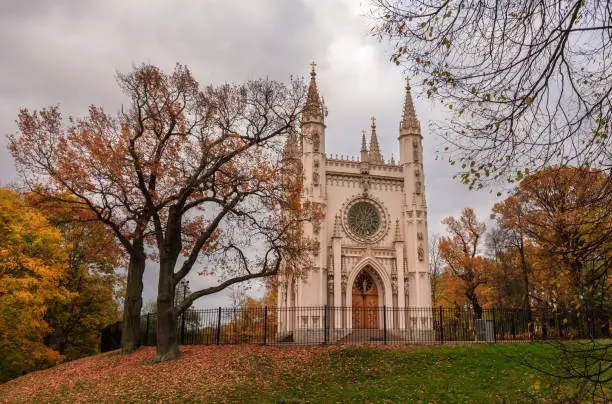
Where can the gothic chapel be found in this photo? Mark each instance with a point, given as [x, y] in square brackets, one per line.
[370, 249]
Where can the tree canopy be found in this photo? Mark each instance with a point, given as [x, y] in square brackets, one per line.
[195, 172]
[527, 84]
[32, 263]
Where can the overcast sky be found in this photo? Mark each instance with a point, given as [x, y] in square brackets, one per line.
[67, 52]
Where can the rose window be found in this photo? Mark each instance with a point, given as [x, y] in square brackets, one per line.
[364, 219]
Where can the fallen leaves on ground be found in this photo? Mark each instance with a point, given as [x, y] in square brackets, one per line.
[113, 377]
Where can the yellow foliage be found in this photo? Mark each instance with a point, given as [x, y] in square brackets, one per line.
[32, 262]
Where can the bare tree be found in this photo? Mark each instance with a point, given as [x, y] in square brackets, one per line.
[435, 265]
[527, 84]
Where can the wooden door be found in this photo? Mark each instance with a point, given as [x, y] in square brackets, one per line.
[365, 302]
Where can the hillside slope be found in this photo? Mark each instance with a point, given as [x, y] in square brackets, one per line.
[478, 373]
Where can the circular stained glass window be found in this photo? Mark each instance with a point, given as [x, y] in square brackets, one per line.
[363, 219]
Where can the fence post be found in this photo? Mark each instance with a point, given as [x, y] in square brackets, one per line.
[219, 326]
[441, 327]
[147, 331]
[325, 327]
[514, 326]
[494, 328]
[265, 325]
[183, 328]
[385, 325]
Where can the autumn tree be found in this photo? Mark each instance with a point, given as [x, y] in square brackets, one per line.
[567, 213]
[32, 264]
[194, 171]
[93, 277]
[527, 84]
[460, 252]
[507, 285]
[226, 196]
[87, 169]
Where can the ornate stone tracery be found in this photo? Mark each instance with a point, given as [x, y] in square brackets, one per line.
[363, 219]
[373, 215]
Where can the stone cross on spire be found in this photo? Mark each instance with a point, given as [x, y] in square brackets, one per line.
[312, 109]
[375, 155]
[409, 122]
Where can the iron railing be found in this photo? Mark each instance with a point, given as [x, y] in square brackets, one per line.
[377, 325]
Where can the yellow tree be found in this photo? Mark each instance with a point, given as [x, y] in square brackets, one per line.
[32, 262]
[94, 275]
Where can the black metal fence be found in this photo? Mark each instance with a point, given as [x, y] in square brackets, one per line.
[377, 325]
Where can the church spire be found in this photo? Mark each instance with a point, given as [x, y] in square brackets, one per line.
[375, 155]
[409, 122]
[313, 109]
[364, 147]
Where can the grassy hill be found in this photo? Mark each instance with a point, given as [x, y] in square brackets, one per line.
[476, 373]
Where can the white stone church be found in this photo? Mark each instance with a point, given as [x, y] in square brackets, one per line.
[370, 250]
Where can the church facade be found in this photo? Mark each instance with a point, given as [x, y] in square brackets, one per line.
[370, 248]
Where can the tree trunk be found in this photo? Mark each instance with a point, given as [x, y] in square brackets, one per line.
[167, 335]
[471, 295]
[130, 333]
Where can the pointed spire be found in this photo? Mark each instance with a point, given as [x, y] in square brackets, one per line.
[364, 147]
[409, 122]
[313, 109]
[337, 227]
[374, 149]
[398, 233]
[392, 159]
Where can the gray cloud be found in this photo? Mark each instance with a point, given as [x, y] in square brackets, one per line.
[68, 52]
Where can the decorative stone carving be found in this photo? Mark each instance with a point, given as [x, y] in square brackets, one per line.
[421, 252]
[315, 178]
[315, 248]
[420, 236]
[330, 283]
[316, 225]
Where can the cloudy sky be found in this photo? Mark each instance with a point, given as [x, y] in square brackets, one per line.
[67, 52]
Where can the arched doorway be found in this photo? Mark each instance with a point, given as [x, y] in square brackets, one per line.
[365, 301]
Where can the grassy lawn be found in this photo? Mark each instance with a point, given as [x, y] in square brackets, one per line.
[475, 373]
